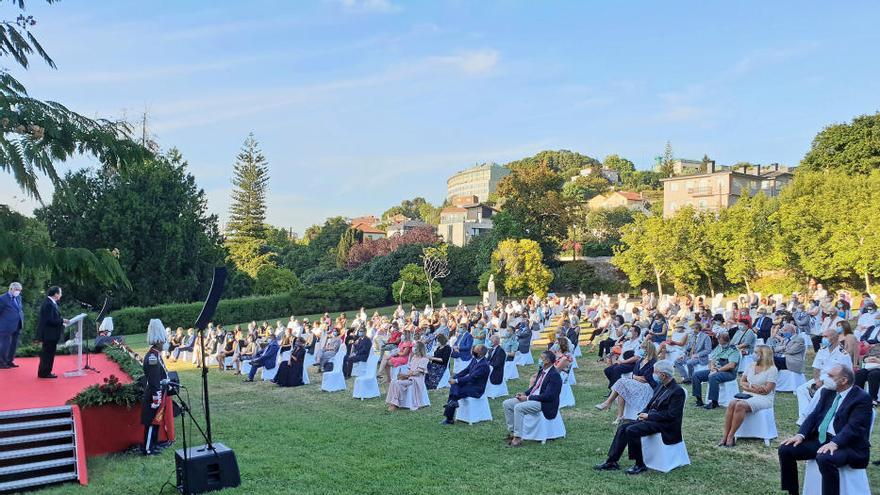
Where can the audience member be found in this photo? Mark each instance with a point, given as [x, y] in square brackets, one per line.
[723, 362]
[542, 396]
[469, 382]
[759, 384]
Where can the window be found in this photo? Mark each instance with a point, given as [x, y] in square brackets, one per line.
[702, 204]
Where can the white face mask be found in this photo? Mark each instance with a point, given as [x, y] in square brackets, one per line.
[829, 384]
[15, 293]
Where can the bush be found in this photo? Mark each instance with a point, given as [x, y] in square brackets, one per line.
[777, 283]
[273, 280]
[574, 276]
[317, 298]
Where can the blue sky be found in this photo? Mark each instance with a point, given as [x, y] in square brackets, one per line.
[360, 104]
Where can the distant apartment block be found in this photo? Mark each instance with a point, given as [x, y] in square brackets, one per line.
[718, 189]
[609, 174]
[465, 219]
[479, 181]
[615, 199]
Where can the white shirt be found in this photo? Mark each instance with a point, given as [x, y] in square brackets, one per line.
[842, 398]
[867, 320]
[825, 360]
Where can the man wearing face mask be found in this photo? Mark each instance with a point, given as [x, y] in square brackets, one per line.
[469, 382]
[541, 397]
[663, 415]
[360, 351]
[788, 354]
[835, 433]
[762, 325]
[723, 361]
[11, 323]
[831, 354]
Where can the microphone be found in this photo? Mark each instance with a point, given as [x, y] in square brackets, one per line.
[84, 305]
[167, 381]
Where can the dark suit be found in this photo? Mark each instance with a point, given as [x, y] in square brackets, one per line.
[548, 395]
[852, 421]
[572, 336]
[265, 358]
[664, 416]
[49, 328]
[11, 323]
[497, 360]
[469, 382]
[360, 353]
[464, 343]
[762, 327]
[524, 339]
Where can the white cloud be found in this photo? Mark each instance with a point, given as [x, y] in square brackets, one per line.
[368, 6]
[475, 62]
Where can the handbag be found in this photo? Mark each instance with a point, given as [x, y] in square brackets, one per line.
[742, 396]
[328, 366]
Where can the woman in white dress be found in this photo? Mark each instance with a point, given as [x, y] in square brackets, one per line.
[638, 390]
[674, 346]
[406, 390]
[759, 381]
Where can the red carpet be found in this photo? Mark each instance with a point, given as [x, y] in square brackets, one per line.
[21, 389]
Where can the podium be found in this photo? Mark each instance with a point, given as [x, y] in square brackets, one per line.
[78, 321]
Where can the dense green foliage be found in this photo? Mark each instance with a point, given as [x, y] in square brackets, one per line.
[518, 268]
[273, 280]
[852, 148]
[317, 298]
[416, 209]
[154, 216]
[411, 287]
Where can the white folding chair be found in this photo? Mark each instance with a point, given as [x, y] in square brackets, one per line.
[493, 391]
[524, 359]
[510, 371]
[269, 375]
[789, 381]
[538, 428]
[444, 380]
[334, 381]
[472, 410]
[566, 396]
[661, 457]
[761, 424]
[366, 386]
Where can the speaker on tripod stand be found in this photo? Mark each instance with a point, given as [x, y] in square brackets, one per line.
[212, 466]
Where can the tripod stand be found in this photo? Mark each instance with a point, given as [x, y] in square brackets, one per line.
[98, 319]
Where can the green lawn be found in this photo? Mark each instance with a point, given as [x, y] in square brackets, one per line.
[303, 440]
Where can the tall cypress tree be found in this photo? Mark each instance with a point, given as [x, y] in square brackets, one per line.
[246, 235]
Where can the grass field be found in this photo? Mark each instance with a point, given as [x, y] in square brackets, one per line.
[302, 440]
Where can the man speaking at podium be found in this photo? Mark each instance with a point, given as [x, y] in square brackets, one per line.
[49, 328]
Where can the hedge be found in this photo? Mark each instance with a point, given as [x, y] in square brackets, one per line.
[318, 298]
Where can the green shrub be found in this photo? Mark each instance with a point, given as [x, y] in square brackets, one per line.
[777, 283]
[318, 298]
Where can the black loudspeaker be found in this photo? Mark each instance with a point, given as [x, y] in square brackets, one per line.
[204, 470]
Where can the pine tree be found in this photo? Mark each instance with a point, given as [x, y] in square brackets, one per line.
[666, 169]
[348, 239]
[246, 235]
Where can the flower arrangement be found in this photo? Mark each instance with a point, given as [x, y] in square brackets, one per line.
[113, 391]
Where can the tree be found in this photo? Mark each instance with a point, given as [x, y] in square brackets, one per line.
[563, 162]
[583, 188]
[349, 238]
[704, 163]
[624, 167]
[273, 280]
[642, 180]
[154, 216]
[370, 248]
[645, 251]
[666, 168]
[246, 235]
[416, 208]
[744, 237]
[598, 231]
[412, 286]
[853, 148]
[533, 207]
[36, 134]
[435, 263]
[517, 264]
[817, 235]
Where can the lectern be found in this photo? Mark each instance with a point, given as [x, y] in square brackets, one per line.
[78, 321]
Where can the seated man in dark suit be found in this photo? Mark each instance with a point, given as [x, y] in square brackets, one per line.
[496, 361]
[662, 415]
[835, 434]
[265, 358]
[542, 397]
[360, 351]
[469, 382]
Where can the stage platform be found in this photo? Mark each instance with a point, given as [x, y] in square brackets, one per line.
[21, 389]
